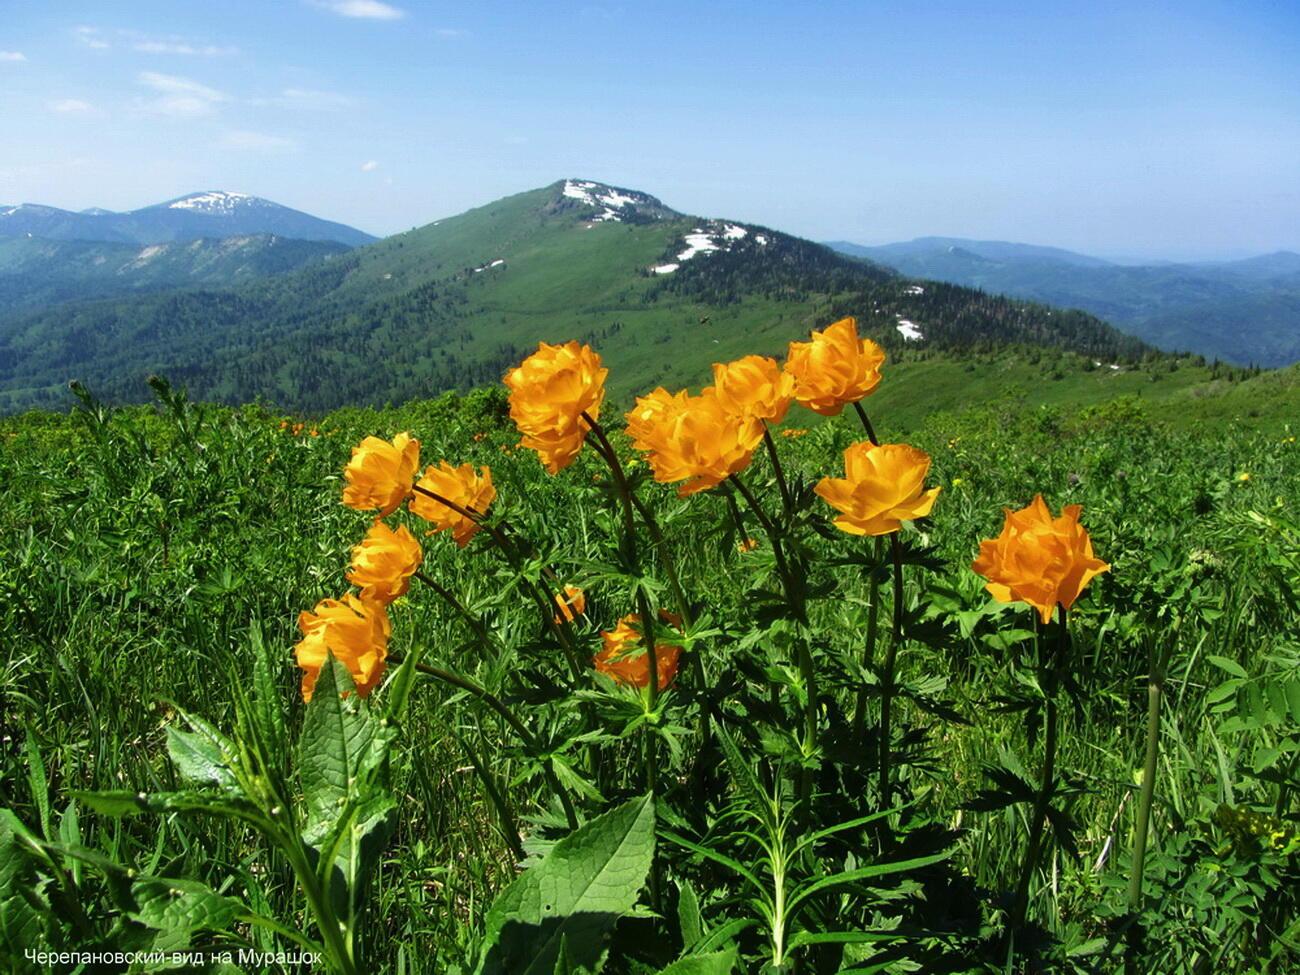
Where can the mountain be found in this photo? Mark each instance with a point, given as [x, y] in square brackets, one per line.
[35, 271]
[1243, 312]
[453, 303]
[207, 214]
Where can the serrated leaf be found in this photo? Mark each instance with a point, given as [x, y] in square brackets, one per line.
[168, 904]
[202, 755]
[574, 895]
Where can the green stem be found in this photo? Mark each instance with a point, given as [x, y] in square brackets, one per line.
[887, 675]
[330, 929]
[1045, 789]
[509, 827]
[866, 424]
[497, 705]
[807, 669]
[869, 648]
[1155, 691]
[787, 501]
[449, 597]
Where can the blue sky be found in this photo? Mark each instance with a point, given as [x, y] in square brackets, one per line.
[1134, 128]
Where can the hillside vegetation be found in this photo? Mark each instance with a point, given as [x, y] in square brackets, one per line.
[452, 304]
[1245, 312]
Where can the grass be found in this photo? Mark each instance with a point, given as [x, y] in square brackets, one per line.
[142, 550]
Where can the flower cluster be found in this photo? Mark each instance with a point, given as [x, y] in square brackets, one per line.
[696, 441]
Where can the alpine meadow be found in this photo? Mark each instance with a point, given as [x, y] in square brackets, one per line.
[577, 585]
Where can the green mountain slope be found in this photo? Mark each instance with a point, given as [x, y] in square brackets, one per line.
[1239, 311]
[35, 272]
[452, 304]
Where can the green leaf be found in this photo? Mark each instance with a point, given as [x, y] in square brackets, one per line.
[170, 904]
[22, 906]
[203, 754]
[717, 963]
[574, 895]
[1229, 666]
[688, 913]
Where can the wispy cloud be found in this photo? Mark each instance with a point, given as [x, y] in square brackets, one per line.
[370, 165]
[12, 56]
[243, 140]
[450, 32]
[71, 106]
[180, 97]
[92, 37]
[184, 48]
[361, 9]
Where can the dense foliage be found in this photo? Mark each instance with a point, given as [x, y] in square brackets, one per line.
[154, 560]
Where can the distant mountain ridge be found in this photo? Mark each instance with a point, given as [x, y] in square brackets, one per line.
[1244, 311]
[205, 214]
[38, 272]
[453, 303]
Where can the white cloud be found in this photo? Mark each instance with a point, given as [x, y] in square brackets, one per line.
[370, 165]
[12, 56]
[71, 106]
[361, 9]
[181, 47]
[243, 140]
[181, 97]
[450, 32]
[92, 38]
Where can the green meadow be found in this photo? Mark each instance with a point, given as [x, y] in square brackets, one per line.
[495, 805]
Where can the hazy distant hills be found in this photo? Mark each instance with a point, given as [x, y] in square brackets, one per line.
[37, 272]
[1244, 311]
[206, 214]
[453, 303]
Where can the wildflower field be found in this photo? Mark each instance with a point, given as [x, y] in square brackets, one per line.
[735, 680]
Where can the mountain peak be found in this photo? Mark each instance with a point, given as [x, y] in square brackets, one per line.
[613, 203]
[215, 201]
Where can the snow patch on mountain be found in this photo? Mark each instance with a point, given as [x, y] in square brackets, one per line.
[214, 201]
[910, 331]
[714, 235]
[614, 204]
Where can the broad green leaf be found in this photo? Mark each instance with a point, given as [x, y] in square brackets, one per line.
[202, 754]
[23, 908]
[1226, 665]
[168, 904]
[574, 895]
[717, 963]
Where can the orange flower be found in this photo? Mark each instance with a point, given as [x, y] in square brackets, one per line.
[792, 432]
[572, 603]
[382, 565]
[379, 474]
[834, 369]
[692, 438]
[748, 545]
[355, 630]
[1038, 559]
[754, 386]
[882, 487]
[623, 657]
[548, 393]
[460, 485]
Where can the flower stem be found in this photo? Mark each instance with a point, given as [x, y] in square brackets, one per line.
[866, 424]
[497, 705]
[807, 668]
[869, 648]
[1045, 788]
[1155, 691]
[509, 826]
[887, 677]
[787, 501]
[474, 622]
